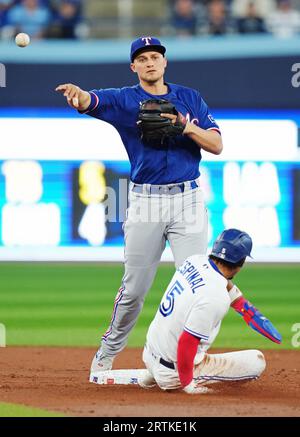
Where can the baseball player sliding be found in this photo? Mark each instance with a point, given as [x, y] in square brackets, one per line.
[189, 319]
[163, 127]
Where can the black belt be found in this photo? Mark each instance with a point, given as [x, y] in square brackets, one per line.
[161, 360]
[167, 364]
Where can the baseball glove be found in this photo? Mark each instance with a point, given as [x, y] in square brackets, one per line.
[155, 128]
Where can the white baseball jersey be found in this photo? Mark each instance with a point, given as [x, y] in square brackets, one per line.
[196, 301]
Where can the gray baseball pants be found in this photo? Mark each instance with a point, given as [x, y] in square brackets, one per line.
[156, 214]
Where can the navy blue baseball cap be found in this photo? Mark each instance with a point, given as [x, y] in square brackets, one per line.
[146, 43]
[232, 245]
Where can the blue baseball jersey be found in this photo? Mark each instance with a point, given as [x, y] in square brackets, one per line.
[178, 159]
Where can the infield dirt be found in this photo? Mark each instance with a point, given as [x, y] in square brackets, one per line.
[57, 379]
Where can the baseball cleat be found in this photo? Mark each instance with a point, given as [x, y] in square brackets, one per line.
[101, 363]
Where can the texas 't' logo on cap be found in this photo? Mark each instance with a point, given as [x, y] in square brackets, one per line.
[147, 40]
[145, 43]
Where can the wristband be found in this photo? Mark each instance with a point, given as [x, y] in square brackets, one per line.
[234, 293]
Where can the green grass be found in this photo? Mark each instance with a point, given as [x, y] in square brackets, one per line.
[13, 410]
[71, 304]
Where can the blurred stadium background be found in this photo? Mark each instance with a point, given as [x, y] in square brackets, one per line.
[243, 56]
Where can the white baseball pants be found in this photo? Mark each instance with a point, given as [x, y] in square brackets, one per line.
[230, 366]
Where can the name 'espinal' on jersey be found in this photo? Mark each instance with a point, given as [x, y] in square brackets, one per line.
[192, 275]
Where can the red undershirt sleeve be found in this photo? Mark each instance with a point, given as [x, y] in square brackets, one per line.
[186, 352]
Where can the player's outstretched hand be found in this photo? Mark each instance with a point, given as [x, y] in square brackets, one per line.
[260, 323]
[76, 97]
[256, 320]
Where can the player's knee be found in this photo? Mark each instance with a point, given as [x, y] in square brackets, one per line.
[260, 362]
[136, 285]
[134, 291]
[134, 297]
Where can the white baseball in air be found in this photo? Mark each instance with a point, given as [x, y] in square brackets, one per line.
[22, 39]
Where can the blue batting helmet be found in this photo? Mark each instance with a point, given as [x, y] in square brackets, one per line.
[232, 245]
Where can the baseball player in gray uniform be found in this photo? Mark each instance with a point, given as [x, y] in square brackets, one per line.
[189, 319]
[163, 127]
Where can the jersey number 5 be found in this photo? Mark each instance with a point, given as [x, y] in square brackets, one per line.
[167, 306]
